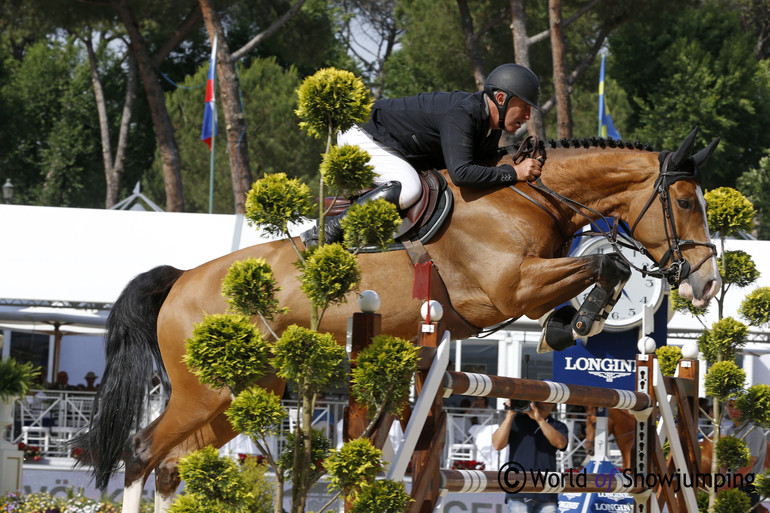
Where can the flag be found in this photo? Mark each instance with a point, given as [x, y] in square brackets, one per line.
[209, 129]
[606, 127]
[421, 285]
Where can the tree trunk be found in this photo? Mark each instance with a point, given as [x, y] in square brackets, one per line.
[561, 89]
[471, 44]
[535, 125]
[164, 130]
[229, 89]
[113, 167]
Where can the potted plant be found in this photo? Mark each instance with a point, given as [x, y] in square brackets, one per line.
[15, 380]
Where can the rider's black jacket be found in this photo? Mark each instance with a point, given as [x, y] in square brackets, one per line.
[442, 130]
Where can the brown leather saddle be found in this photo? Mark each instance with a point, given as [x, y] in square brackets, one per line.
[422, 220]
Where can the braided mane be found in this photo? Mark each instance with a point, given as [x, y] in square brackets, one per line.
[599, 142]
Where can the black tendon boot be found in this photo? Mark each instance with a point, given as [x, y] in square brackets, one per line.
[389, 191]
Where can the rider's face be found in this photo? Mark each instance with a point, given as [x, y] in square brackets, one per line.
[517, 113]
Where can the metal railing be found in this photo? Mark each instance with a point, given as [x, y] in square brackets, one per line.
[48, 419]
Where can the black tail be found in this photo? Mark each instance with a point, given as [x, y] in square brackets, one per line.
[131, 349]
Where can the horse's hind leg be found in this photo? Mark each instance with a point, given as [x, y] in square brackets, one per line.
[167, 478]
[184, 415]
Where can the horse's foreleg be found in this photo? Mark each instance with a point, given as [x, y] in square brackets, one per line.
[551, 282]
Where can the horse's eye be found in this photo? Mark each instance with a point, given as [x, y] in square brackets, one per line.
[684, 204]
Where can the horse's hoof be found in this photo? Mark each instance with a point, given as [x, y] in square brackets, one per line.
[590, 311]
[557, 331]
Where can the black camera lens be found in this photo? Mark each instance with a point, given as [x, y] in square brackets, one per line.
[519, 405]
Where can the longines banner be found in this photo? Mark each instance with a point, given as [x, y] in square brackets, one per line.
[608, 359]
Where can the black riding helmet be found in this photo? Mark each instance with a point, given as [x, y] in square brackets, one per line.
[514, 80]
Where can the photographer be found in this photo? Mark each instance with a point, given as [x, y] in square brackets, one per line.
[533, 437]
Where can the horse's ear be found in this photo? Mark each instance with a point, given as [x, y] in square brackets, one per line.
[703, 155]
[685, 149]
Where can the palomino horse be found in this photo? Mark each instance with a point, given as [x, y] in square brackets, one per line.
[500, 256]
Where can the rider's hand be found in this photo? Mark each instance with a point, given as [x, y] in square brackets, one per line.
[528, 170]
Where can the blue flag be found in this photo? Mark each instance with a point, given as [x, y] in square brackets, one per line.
[209, 128]
[606, 127]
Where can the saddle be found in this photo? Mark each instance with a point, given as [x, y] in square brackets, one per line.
[421, 221]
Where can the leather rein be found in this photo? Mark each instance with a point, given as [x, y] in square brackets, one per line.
[677, 269]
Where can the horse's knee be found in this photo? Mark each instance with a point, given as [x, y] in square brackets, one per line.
[614, 270]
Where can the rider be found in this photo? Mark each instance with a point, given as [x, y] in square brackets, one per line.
[440, 130]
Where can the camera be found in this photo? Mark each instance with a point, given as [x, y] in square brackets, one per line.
[518, 405]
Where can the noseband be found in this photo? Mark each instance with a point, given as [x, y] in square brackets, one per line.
[678, 268]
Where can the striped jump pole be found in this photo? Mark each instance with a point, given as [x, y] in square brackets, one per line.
[508, 480]
[467, 383]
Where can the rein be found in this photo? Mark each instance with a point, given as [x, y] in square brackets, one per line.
[678, 268]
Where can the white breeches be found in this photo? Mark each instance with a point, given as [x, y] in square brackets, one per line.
[388, 165]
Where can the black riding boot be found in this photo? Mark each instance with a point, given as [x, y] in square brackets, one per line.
[389, 191]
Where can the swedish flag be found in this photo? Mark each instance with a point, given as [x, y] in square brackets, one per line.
[606, 127]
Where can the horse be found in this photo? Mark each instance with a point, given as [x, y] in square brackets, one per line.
[501, 255]
[620, 424]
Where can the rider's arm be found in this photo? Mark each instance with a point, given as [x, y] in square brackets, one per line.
[459, 133]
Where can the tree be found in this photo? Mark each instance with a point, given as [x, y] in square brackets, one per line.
[276, 142]
[227, 350]
[148, 63]
[711, 79]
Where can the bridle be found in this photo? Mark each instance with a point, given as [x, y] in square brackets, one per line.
[672, 266]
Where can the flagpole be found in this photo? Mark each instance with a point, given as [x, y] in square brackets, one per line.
[213, 126]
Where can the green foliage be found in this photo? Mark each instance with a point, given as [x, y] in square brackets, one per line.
[755, 405]
[731, 501]
[212, 484]
[740, 268]
[353, 465]
[383, 496]
[331, 101]
[729, 211]
[720, 342]
[310, 358]
[50, 126]
[256, 412]
[755, 185]
[383, 373]
[16, 378]
[227, 350]
[328, 274]
[254, 474]
[668, 359]
[755, 307]
[277, 200]
[732, 453]
[682, 305]
[250, 288]
[320, 447]
[762, 484]
[275, 142]
[346, 168]
[700, 70]
[703, 502]
[724, 380]
[372, 223]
